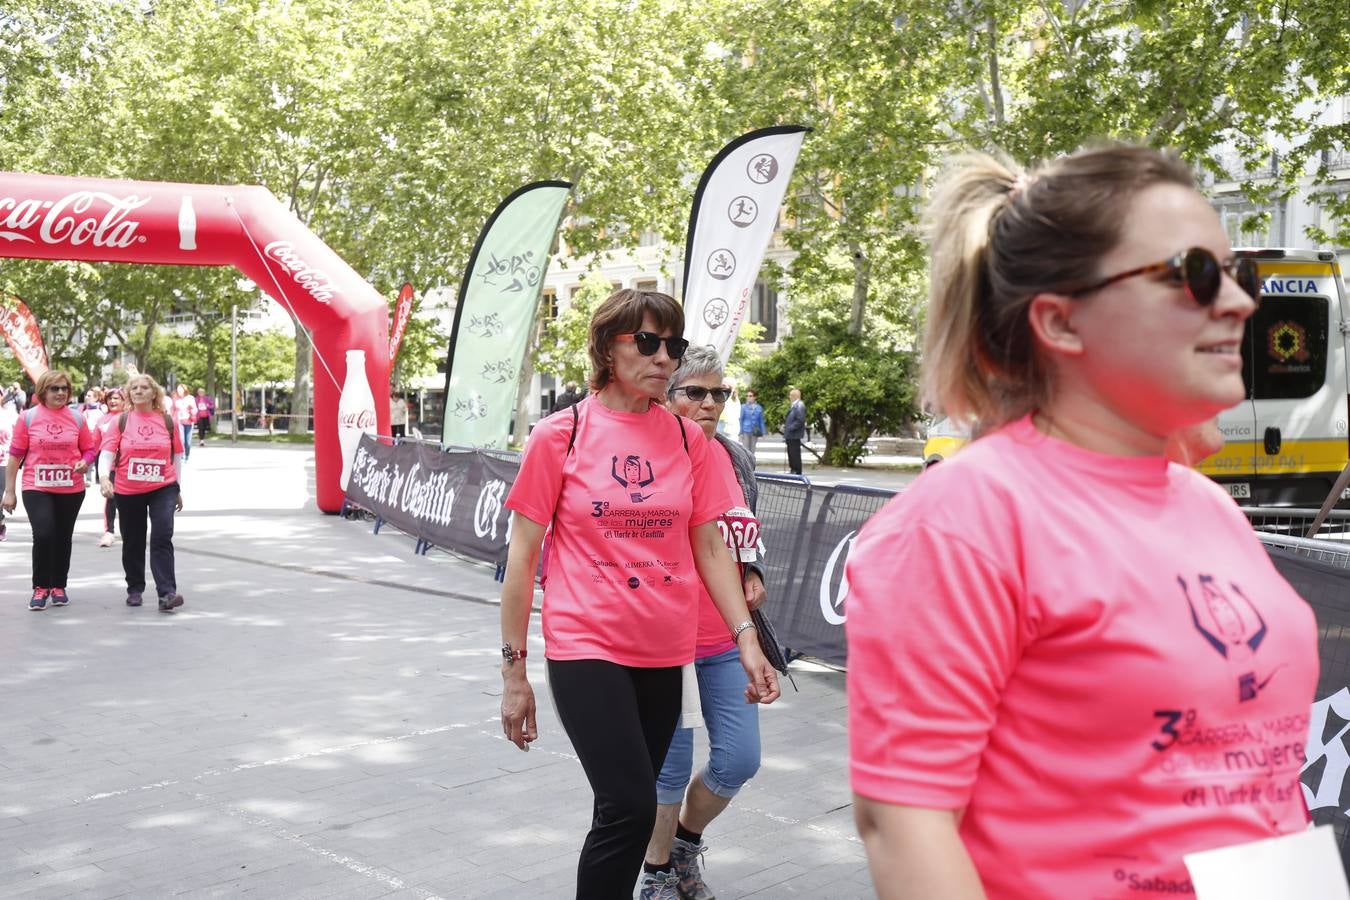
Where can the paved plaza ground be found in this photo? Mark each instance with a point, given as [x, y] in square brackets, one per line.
[320, 720]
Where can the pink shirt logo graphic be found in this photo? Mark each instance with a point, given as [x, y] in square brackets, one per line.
[84, 217]
[314, 281]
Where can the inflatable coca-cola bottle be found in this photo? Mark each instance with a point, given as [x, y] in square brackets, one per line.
[356, 410]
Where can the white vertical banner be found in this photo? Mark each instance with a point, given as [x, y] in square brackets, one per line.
[732, 221]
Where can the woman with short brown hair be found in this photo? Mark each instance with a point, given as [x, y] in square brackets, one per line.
[621, 480]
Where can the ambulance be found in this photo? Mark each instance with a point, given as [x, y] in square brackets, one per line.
[1286, 443]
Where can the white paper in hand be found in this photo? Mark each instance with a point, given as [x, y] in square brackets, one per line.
[1305, 865]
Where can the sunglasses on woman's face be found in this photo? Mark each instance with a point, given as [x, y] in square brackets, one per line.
[1198, 271]
[648, 343]
[64, 388]
[697, 394]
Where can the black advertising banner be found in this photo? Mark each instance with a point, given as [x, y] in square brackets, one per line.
[453, 499]
[1327, 589]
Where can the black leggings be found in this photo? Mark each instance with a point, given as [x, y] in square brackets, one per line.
[202, 426]
[620, 720]
[158, 507]
[110, 507]
[52, 517]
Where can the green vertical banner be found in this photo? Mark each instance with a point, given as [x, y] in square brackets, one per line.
[498, 300]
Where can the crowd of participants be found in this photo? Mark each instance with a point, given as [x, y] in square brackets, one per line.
[1038, 629]
[129, 443]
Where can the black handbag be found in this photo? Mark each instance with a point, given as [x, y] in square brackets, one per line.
[768, 645]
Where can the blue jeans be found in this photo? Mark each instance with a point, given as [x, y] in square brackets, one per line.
[733, 734]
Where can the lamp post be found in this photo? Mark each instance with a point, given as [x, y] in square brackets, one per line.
[234, 374]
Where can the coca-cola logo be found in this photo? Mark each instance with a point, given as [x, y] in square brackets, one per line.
[74, 219]
[21, 335]
[314, 281]
[360, 419]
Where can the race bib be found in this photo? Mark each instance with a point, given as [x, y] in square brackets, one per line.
[740, 531]
[53, 476]
[147, 470]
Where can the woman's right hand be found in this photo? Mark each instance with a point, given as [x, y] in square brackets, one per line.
[105, 487]
[518, 713]
[10, 501]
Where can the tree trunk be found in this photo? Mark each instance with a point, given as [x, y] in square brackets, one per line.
[210, 361]
[304, 362]
[862, 276]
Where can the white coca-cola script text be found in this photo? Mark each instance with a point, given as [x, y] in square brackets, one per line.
[73, 219]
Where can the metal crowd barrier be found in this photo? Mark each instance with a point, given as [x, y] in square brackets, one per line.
[1297, 522]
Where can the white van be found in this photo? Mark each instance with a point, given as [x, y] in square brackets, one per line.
[1288, 441]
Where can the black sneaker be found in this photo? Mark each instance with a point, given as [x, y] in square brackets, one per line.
[133, 598]
[38, 601]
[58, 596]
[170, 602]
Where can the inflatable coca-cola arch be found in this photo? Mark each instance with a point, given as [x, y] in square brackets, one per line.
[160, 223]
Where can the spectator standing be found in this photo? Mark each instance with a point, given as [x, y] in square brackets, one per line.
[15, 398]
[206, 411]
[1062, 613]
[794, 431]
[569, 397]
[752, 421]
[398, 415]
[185, 414]
[55, 447]
[730, 420]
[146, 453]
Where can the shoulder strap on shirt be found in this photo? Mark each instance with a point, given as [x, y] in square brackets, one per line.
[684, 436]
[575, 419]
[28, 416]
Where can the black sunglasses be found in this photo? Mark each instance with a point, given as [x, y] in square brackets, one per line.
[647, 343]
[59, 387]
[1198, 271]
[696, 394]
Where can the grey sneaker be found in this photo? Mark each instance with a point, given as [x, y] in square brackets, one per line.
[684, 862]
[659, 886]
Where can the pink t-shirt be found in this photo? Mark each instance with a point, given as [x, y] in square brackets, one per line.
[1093, 655]
[185, 410]
[146, 451]
[621, 582]
[7, 419]
[50, 449]
[714, 636]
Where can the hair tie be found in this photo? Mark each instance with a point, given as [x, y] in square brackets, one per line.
[1020, 183]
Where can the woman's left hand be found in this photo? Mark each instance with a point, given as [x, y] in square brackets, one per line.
[81, 467]
[763, 686]
[755, 594]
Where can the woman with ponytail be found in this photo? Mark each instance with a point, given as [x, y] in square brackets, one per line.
[1062, 646]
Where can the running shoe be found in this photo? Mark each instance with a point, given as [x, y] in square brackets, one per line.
[169, 602]
[39, 599]
[107, 539]
[133, 598]
[4, 531]
[58, 596]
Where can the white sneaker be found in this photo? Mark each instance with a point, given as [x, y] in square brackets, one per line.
[106, 540]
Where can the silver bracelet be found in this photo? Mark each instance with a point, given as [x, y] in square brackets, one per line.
[740, 629]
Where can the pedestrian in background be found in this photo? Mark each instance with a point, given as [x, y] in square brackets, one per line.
[143, 453]
[620, 601]
[7, 419]
[752, 421]
[568, 397]
[55, 448]
[206, 411]
[15, 398]
[116, 404]
[794, 430]
[730, 420]
[398, 415]
[1059, 612]
[185, 414]
[687, 805]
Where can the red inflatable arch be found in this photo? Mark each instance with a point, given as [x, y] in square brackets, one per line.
[159, 223]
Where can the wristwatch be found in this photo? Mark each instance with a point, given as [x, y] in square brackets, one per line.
[510, 654]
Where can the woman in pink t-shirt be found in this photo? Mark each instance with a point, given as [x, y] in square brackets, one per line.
[55, 447]
[109, 419]
[634, 514]
[1070, 660]
[142, 458]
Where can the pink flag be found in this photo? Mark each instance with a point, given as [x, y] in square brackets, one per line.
[402, 313]
[23, 336]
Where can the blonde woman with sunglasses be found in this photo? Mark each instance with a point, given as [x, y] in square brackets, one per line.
[55, 447]
[1067, 654]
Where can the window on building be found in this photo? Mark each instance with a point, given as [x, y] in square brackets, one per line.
[764, 310]
[649, 238]
[550, 303]
[1237, 215]
[646, 284]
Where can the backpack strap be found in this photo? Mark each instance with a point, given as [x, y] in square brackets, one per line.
[571, 441]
